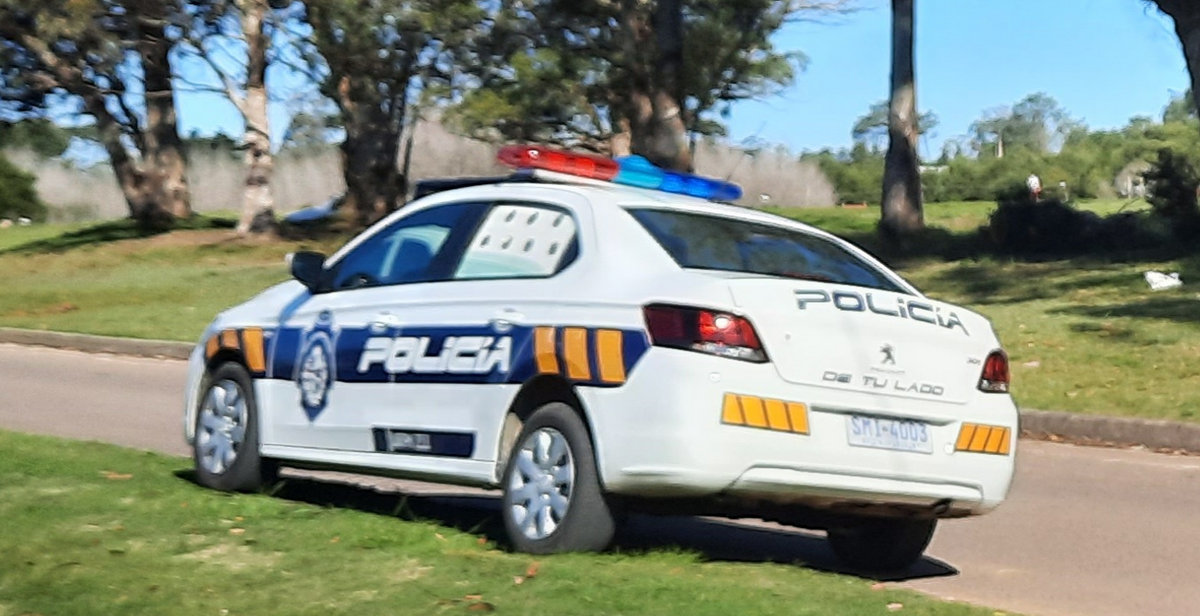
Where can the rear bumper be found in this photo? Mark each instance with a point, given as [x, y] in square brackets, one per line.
[662, 435]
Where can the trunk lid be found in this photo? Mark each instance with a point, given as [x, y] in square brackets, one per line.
[866, 340]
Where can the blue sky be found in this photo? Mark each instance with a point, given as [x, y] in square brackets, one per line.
[1104, 60]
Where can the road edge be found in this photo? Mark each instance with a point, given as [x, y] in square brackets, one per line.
[1078, 428]
[89, 343]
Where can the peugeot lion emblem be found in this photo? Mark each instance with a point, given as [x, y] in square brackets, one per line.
[889, 355]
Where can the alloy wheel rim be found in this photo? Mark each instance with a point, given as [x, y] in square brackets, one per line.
[221, 429]
[541, 483]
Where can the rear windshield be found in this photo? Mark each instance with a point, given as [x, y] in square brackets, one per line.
[714, 243]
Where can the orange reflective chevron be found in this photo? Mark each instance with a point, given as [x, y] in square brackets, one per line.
[764, 413]
[575, 349]
[545, 351]
[609, 356]
[255, 356]
[976, 438]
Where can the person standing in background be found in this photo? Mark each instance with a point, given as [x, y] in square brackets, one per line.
[1035, 187]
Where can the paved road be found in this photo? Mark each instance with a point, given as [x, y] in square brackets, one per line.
[1087, 532]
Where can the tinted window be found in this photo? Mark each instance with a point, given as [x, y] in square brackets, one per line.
[520, 241]
[711, 242]
[416, 248]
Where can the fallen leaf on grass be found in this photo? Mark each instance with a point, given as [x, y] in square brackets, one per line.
[113, 476]
[481, 541]
[439, 536]
[533, 569]
[237, 531]
[895, 607]
[473, 597]
[481, 606]
[335, 540]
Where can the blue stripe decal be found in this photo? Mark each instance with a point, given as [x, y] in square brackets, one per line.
[466, 354]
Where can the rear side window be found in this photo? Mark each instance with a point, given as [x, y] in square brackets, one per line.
[520, 241]
[701, 241]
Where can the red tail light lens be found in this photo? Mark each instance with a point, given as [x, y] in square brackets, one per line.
[704, 331]
[561, 161]
[995, 378]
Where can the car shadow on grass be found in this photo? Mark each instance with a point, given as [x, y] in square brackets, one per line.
[478, 513]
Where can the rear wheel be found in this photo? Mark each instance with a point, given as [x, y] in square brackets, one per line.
[882, 545]
[225, 450]
[552, 496]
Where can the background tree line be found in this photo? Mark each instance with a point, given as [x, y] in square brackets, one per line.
[604, 75]
[649, 77]
[1005, 145]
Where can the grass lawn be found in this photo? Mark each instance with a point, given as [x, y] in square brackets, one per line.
[96, 529]
[1083, 334]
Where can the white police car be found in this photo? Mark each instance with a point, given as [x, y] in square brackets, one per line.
[589, 339]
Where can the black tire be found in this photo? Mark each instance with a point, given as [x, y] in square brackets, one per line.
[588, 524]
[248, 471]
[882, 545]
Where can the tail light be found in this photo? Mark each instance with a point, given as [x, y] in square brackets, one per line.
[704, 331]
[995, 378]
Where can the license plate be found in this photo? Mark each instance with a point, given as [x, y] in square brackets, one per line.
[894, 434]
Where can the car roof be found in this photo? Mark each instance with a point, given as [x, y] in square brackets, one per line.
[602, 194]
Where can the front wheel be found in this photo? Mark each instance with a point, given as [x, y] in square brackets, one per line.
[225, 450]
[882, 545]
[553, 501]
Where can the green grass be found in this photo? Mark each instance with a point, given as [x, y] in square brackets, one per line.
[1083, 334]
[108, 279]
[95, 529]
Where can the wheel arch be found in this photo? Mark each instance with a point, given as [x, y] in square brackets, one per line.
[535, 393]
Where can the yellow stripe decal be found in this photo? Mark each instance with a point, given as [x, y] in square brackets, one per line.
[731, 413]
[993, 444]
[255, 358]
[964, 437]
[753, 409]
[777, 415]
[576, 351]
[799, 415]
[981, 436]
[610, 359]
[1006, 443]
[229, 339]
[543, 349]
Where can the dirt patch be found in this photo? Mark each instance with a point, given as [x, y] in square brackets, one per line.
[233, 557]
[60, 308]
[410, 570]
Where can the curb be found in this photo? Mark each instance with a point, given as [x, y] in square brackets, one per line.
[1159, 435]
[158, 349]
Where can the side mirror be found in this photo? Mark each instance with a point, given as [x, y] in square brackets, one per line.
[309, 268]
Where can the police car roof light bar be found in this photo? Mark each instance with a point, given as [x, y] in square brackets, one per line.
[549, 159]
[628, 170]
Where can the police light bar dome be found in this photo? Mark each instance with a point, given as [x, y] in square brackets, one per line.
[628, 171]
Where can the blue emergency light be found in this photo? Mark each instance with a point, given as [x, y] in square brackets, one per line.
[627, 170]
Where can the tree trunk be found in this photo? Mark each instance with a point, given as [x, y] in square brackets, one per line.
[258, 201]
[902, 211]
[371, 150]
[655, 113]
[1187, 26]
[164, 158]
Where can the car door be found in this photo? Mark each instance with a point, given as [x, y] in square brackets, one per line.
[465, 345]
[333, 395]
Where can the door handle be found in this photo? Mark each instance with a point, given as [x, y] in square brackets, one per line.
[506, 319]
[384, 321]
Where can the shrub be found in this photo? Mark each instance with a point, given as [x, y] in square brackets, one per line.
[1054, 228]
[18, 193]
[1171, 187]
